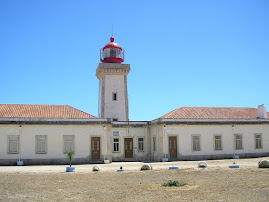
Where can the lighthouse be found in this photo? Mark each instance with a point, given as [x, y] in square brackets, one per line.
[112, 76]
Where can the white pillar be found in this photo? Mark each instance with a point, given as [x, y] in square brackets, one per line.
[165, 144]
[104, 145]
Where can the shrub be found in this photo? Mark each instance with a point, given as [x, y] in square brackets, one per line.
[96, 169]
[146, 167]
[174, 183]
[264, 164]
[70, 155]
[202, 164]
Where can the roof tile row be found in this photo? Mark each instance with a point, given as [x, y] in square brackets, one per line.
[213, 113]
[66, 111]
[41, 111]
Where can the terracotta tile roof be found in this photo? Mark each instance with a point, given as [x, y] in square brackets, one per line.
[41, 111]
[213, 113]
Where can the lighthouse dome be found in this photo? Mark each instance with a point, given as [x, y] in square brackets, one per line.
[112, 53]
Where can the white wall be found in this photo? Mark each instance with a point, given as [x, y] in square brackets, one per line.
[118, 108]
[135, 133]
[184, 139]
[83, 134]
[55, 141]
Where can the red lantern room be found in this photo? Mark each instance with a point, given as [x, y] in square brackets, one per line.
[112, 53]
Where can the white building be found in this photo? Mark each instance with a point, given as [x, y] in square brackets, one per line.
[42, 134]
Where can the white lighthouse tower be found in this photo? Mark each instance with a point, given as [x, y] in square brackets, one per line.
[112, 75]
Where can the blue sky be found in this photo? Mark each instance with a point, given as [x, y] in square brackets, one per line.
[182, 53]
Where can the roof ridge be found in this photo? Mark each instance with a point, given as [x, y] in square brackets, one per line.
[217, 107]
[212, 113]
[39, 104]
[81, 111]
[41, 111]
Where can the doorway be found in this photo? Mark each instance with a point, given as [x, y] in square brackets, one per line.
[95, 147]
[173, 146]
[128, 145]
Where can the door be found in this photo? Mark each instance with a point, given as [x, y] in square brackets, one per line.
[173, 146]
[96, 147]
[128, 145]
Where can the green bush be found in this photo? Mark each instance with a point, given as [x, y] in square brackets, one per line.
[146, 167]
[174, 183]
[96, 169]
[264, 164]
[70, 155]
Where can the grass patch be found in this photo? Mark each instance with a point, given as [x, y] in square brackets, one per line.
[174, 183]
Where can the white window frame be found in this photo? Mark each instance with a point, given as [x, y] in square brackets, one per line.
[199, 142]
[140, 144]
[116, 143]
[69, 139]
[39, 141]
[219, 140]
[260, 140]
[238, 145]
[16, 139]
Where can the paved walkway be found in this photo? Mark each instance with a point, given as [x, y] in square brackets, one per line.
[131, 166]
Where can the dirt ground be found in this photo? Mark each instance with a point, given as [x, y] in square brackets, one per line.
[218, 182]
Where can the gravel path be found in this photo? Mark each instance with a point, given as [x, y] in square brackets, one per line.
[216, 183]
[131, 166]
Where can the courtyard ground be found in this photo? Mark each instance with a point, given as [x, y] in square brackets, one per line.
[216, 183]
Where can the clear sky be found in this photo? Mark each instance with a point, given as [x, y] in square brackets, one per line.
[182, 53]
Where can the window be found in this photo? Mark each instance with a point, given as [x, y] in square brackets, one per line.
[116, 133]
[69, 143]
[41, 144]
[218, 145]
[258, 141]
[196, 143]
[154, 143]
[238, 142]
[112, 52]
[116, 145]
[114, 96]
[140, 144]
[13, 144]
[114, 119]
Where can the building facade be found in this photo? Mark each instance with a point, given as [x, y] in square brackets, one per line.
[43, 134]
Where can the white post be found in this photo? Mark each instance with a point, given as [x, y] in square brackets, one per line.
[20, 163]
[20, 143]
[234, 141]
[165, 159]
[104, 145]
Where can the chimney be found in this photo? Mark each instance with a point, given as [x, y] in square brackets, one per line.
[262, 112]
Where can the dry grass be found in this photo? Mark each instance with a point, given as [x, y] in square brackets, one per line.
[213, 184]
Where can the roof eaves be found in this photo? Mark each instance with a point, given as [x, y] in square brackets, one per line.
[54, 121]
[208, 121]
